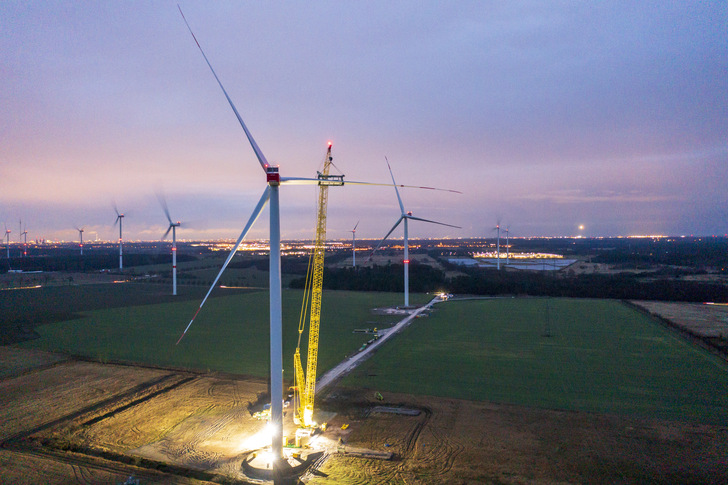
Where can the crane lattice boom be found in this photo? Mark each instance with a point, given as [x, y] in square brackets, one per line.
[305, 385]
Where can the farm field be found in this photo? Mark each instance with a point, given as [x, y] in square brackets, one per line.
[609, 396]
[469, 442]
[25, 309]
[699, 318]
[599, 356]
[230, 334]
[111, 421]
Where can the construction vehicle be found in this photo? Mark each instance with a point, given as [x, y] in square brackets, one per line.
[304, 387]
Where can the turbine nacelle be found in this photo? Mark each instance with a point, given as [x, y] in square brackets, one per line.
[273, 175]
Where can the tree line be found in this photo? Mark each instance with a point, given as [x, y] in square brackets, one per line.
[424, 278]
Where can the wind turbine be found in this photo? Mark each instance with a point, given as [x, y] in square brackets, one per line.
[353, 245]
[508, 247]
[24, 233]
[172, 227]
[405, 216]
[80, 233]
[271, 196]
[7, 239]
[497, 228]
[119, 220]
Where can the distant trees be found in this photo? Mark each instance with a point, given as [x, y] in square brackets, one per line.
[91, 262]
[424, 278]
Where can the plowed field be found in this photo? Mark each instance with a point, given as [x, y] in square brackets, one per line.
[84, 422]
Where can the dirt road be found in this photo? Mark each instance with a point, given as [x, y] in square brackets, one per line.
[350, 363]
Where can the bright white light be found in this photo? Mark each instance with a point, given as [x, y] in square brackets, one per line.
[259, 440]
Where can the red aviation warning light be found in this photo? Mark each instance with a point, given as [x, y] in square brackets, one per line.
[406, 261]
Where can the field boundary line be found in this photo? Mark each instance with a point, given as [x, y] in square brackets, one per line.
[41, 367]
[87, 410]
[687, 334]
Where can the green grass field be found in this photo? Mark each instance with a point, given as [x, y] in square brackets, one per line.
[601, 356]
[231, 334]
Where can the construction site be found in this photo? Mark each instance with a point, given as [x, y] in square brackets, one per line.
[526, 367]
[72, 421]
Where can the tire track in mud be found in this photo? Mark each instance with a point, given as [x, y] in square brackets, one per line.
[100, 406]
[228, 392]
[143, 398]
[444, 453]
[394, 471]
[411, 439]
[83, 465]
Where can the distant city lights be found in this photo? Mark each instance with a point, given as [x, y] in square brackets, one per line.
[494, 254]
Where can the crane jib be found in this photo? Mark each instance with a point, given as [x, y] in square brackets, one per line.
[305, 385]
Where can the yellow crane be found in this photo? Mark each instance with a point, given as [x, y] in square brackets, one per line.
[305, 385]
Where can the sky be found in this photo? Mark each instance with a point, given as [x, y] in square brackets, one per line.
[545, 115]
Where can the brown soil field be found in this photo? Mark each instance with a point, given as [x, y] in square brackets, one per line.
[18, 361]
[706, 325]
[701, 319]
[84, 422]
[465, 442]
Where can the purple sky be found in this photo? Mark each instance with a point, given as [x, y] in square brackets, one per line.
[546, 115]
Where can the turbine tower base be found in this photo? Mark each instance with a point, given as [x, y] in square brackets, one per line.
[257, 466]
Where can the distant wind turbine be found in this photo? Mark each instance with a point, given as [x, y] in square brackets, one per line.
[508, 247]
[80, 233]
[7, 240]
[406, 216]
[497, 228]
[353, 245]
[172, 227]
[24, 233]
[120, 220]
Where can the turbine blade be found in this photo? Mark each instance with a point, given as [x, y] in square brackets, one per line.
[167, 233]
[357, 225]
[256, 149]
[355, 182]
[163, 202]
[312, 181]
[399, 199]
[401, 218]
[253, 217]
[431, 222]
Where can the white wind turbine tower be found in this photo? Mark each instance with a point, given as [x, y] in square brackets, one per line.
[353, 245]
[497, 228]
[508, 247]
[24, 233]
[119, 220]
[406, 216]
[172, 227]
[7, 240]
[270, 195]
[80, 233]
